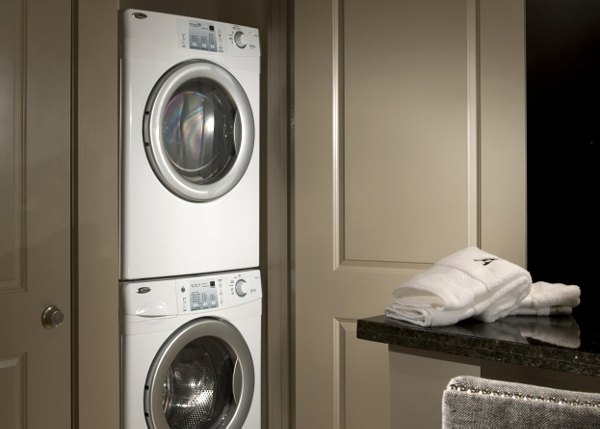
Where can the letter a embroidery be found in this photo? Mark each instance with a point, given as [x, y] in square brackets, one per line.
[486, 261]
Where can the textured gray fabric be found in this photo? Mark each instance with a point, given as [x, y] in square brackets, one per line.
[476, 403]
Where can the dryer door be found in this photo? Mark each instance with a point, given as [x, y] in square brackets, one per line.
[198, 130]
[202, 377]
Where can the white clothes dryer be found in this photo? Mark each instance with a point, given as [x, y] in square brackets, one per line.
[189, 146]
[191, 352]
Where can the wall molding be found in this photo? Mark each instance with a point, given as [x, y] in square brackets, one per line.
[15, 281]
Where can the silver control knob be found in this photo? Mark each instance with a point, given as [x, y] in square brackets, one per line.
[241, 288]
[52, 317]
[240, 39]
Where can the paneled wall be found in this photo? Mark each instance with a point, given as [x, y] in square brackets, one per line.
[12, 88]
[408, 145]
[35, 258]
[405, 129]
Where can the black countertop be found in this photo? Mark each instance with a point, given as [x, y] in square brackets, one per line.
[561, 343]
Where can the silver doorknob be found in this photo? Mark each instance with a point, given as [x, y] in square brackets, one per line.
[52, 317]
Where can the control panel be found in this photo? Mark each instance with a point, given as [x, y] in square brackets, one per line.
[244, 39]
[199, 295]
[203, 36]
[212, 36]
[188, 295]
[217, 291]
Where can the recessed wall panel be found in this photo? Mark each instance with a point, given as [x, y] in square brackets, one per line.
[503, 130]
[363, 380]
[11, 392]
[11, 141]
[404, 129]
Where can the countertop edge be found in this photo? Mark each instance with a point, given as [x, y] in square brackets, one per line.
[382, 330]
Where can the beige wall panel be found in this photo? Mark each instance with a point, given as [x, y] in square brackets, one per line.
[98, 288]
[323, 390]
[12, 54]
[503, 125]
[363, 367]
[12, 388]
[35, 89]
[48, 205]
[417, 386]
[327, 191]
[405, 135]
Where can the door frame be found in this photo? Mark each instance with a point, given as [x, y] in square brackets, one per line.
[95, 223]
[276, 199]
[95, 215]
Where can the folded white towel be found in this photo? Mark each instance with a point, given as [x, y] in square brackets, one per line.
[468, 283]
[547, 299]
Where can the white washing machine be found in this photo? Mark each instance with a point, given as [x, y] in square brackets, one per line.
[189, 146]
[191, 352]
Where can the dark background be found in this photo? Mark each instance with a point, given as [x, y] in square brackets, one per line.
[563, 113]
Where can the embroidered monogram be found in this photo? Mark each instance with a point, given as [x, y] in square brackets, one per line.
[486, 261]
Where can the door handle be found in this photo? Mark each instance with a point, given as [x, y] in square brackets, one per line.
[237, 133]
[237, 382]
[52, 317]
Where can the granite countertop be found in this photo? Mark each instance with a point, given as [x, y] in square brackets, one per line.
[561, 343]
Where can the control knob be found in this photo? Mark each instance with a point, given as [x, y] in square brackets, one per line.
[240, 39]
[241, 288]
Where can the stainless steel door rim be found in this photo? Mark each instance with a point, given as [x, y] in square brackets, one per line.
[241, 133]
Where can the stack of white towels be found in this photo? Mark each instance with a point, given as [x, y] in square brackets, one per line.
[475, 283]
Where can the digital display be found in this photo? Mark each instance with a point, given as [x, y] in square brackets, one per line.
[203, 296]
[202, 37]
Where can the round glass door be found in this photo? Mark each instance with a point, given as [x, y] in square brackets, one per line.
[203, 377]
[198, 130]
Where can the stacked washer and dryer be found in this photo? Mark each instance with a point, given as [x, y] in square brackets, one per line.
[189, 223]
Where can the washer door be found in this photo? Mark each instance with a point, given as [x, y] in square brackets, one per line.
[202, 377]
[198, 130]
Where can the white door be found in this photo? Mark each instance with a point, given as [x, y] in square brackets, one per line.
[408, 145]
[35, 219]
